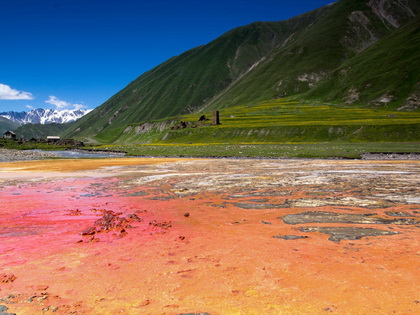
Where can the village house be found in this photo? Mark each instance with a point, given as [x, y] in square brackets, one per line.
[53, 139]
[56, 140]
[34, 140]
[9, 135]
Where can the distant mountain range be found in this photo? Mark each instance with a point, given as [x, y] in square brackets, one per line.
[45, 116]
[351, 52]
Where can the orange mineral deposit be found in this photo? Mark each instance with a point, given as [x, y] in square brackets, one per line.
[203, 236]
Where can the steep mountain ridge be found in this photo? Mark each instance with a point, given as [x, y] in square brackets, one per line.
[394, 12]
[312, 54]
[382, 74]
[260, 61]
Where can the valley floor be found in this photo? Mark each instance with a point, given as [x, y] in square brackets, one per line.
[209, 236]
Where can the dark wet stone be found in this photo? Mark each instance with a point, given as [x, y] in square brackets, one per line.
[3, 310]
[290, 237]
[346, 233]
[399, 214]
[165, 198]
[259, 200]
[245, 205]
[138, 193]
[266, 222]
[91, 195]
[331, 217]
[319, 193]
[219, 206]
[270, 193]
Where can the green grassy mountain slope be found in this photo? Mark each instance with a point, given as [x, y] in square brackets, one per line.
[188, 82]
[6, 124]
[384, 75]
[281, 121]
[40, 131]
[268, 60]
[344, 33]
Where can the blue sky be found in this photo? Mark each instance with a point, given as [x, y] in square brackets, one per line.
[78, 53]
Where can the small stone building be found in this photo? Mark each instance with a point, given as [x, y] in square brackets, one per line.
[10, 135]
[53, 139]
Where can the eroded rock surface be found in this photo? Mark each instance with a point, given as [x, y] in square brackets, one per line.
[332, 217]
[347, 233]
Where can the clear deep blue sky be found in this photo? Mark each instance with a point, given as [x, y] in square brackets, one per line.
[82, 52]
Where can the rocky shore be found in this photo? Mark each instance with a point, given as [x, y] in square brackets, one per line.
[390, 156]
[10, 155]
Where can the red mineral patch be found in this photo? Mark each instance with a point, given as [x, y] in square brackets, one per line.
[260, 237]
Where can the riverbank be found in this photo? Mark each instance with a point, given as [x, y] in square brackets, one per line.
[317, 150]
[11, 155]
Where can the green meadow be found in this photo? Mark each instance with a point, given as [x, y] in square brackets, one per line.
[292, 113]
[276, 128]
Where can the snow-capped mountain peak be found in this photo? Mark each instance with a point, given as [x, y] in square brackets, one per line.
[45, 116]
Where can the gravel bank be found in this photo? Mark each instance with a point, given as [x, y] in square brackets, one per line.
[391, 156]
[9, 155]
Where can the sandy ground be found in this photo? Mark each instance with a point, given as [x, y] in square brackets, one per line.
[184, 236]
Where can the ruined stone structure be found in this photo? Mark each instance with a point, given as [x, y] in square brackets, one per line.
[215, 118]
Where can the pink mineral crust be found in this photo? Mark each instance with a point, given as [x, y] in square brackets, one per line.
[196, 236]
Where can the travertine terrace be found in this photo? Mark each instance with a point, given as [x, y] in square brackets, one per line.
[215, 236]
